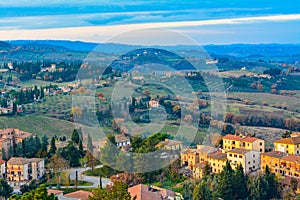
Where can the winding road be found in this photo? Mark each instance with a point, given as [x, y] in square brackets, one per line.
[93, 179]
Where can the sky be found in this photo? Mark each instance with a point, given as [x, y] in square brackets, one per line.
[205, 21]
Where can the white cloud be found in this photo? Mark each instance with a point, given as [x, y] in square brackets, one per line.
[100, 33]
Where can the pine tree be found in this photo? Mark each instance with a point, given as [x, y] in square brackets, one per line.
[240, 183]
[272, 186]
[52, 147]
[225, 186]
[90, 144]
[75, 136]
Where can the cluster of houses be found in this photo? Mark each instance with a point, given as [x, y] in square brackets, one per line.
[18, 171]
[248, 151]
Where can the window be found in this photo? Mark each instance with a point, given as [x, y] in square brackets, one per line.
[260, 144]
[249, 162]
[253, 155]
[240, 156]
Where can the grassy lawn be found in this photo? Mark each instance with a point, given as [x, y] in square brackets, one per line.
[53, 182]
[105, 171]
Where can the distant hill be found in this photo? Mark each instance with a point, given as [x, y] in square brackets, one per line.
[237, 50]
[4, 45]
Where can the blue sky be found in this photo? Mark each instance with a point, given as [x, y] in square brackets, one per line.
[33, 19]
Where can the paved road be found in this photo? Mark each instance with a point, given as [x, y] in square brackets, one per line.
[93, 179]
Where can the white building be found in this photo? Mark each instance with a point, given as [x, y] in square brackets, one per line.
[2, 168]
[250, 160]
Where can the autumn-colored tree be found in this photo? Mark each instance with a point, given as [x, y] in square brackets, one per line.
[118, 191]
[127, 178]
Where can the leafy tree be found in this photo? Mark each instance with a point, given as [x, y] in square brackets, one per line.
[38, 194]
[117, 191]
[91, 160]
[294, 184]
[202, 192]
[27, 188]
[188, 189]
[109, 153]
[127, 178]
[206, 170]
[5, 189]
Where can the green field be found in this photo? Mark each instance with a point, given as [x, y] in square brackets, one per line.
[38, 125]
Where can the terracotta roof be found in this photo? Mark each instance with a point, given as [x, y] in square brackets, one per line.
[218, 155]
[291, 158]
[189, 150]
[249, 139]
[206, 149]
[18, 161]
[2, 161]
[55, 192]
[292, 140]
[232, 137]
[80, 194]
[144, 192]
[239, 151]
[276, 154]
[36, 159]
[121, 138]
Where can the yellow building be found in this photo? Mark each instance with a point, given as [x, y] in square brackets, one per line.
[189, 157]
[198, 170]
[170, 145]
[204, 151]
[18, 171]
[250, 160]
[231, 142]
[251, 143]
[272, 159]
[289, 145]
[290, 166]
[217, 161]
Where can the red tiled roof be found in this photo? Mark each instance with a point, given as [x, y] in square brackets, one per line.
[292, 140]
[291, 158]
[83, 195]
[217, 155]
[18, 161]
[249, 139]
[2, 161]
[232, 137]
[144, 192]
[239, 151]
[276, 154]
[55, 192]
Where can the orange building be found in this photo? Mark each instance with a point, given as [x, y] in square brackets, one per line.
[246, 142]
[290, 166]
[272, 159]
[189, 157]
